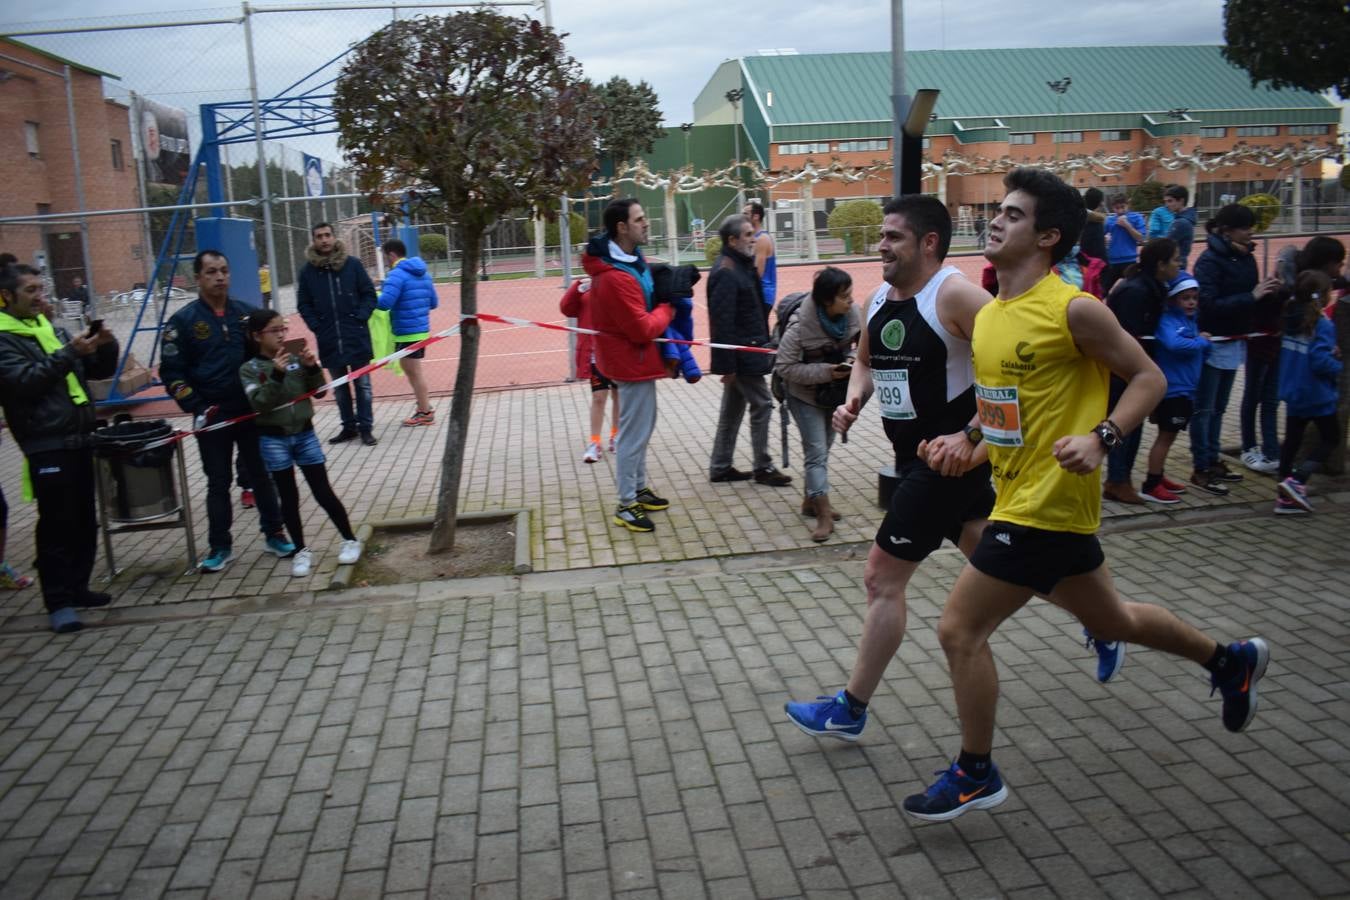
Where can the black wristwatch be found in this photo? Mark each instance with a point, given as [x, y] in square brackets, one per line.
[973, 434]
[1108, 434]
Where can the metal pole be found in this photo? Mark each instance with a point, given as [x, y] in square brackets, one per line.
[548, 13]
[565, 257]
[740, 182]
[229, 177]
[79, 184]
[290, 235]
[899, 102]
[268, 239]
[148, 254]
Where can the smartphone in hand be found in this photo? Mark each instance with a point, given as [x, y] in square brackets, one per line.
[844, 367]
[294, 347]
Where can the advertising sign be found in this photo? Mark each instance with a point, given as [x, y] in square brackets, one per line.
[165, 146]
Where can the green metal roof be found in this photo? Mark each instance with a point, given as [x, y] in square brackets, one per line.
[855, 87]
[61, 59]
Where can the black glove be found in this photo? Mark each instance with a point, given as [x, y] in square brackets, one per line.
[662, 281]
[683, 280]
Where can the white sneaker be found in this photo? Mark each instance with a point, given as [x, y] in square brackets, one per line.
[592, 454]
[1257, 461]
[301, 563]
[349, 552]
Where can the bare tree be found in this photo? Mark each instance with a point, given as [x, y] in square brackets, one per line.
[480, 114]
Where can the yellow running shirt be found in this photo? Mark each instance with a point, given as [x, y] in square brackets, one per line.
[1033, 386]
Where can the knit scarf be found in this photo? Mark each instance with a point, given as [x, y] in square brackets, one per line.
[834, 326]
[40, 330]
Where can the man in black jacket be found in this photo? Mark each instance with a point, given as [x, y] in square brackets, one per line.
[47, 406]
[335, 297]
[736, 316]
[203, 348]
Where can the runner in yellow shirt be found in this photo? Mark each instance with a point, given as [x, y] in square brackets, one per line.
[1042, 355]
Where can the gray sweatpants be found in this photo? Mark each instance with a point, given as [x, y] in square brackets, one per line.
[637, 421]
[743, 391]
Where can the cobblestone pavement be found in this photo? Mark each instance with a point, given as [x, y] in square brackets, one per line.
[618, 732]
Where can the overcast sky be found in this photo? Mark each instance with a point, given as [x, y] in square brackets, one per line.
[675, 44]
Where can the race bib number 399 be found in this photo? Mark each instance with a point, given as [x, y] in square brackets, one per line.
[892, 390]
[1000, 416]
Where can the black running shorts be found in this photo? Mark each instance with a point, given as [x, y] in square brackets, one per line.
[1172, 414]
[1035, 558]
[419, 353]
[598, 380]
[927, 507]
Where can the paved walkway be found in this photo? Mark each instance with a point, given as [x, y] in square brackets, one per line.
[619, 733]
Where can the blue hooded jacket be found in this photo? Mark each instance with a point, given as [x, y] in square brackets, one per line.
[409, 295]
[1180, 352]
[1309, 371]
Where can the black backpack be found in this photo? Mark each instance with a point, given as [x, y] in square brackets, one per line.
[785, 310]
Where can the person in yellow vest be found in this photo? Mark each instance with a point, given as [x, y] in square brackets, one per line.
[48, 409]
[1043, 351]
[265, 283]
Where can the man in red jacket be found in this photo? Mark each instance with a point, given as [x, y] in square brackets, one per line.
[628, 318]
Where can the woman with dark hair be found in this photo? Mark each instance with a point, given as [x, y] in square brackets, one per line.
[1230, 289]
[815, 359]
[1137, 300]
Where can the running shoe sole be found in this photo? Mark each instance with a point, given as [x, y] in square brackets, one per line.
[837, 735]
[987, 802]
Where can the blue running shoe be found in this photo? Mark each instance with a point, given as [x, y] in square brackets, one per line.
[1239, 688]
[954, 793]
[216, 560]
[826, 717]
[1110, 656]
[280, 546]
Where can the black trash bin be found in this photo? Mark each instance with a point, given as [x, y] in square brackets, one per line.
[138, 479]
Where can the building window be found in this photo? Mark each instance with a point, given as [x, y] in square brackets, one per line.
[1115, 135]
[927, 143]
[1309, 129]
[853, 146]
[1213, 132]
[30, 137]
[1257, 130]
[1068, 137]
[117, 155]
[800, 149]
[1021, 138]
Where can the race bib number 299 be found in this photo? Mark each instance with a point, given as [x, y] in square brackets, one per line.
[892, 390]
[1000, 416]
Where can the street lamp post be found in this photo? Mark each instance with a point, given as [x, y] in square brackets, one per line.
[1060, 87]
[734, 96]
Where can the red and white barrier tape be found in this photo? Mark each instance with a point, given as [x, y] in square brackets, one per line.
[554, 326]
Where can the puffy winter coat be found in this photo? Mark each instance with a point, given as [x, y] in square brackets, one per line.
[736, 316]
[1138, 304]
[1226, 277]
[36, 396]
[409, 295]
[335, 297]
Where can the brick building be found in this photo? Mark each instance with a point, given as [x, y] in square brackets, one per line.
[997, 103]
[37, 170]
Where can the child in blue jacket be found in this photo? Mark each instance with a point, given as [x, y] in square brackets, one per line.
[1310, 368]
[1179, 350]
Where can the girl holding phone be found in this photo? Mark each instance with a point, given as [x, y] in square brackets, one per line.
[278, 372]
